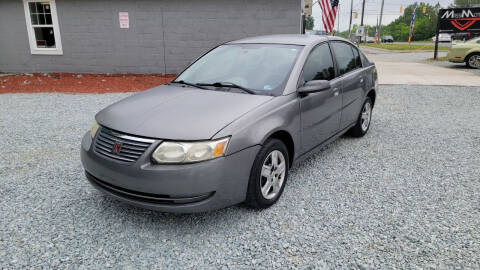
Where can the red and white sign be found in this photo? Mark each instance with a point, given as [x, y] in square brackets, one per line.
[124, 20]
[459, 19]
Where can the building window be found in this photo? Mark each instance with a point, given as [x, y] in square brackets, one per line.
[42, 27]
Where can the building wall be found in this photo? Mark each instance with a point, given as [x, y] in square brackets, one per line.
[164, 35]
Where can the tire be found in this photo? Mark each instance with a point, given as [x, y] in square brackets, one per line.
[255, 196]
[473, 60]
[359, 130]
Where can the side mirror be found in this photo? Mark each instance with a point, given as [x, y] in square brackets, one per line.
[314, 86]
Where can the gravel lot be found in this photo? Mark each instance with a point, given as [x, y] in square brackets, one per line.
[405, 196]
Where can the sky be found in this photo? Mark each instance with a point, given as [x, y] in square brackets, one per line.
[391, 11]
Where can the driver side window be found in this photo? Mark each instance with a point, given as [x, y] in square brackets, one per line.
[319, 65]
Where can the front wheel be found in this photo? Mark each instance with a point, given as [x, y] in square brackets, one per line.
[363, 120]
[268, 175]
[473, 60]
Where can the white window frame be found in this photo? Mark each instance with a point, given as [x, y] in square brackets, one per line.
[31, 33]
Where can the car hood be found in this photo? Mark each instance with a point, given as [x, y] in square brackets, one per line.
[178, 113]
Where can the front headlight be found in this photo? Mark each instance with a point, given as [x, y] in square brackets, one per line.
[189, 152]
[94, 129]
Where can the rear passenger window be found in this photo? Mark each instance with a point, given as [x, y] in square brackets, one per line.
[319, 65]
[345, 59]
[358, 60]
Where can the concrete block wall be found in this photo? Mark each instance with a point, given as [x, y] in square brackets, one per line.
[164, 35]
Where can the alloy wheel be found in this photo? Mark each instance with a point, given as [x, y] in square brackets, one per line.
[273, 174]
[366, 115]
[474, 61]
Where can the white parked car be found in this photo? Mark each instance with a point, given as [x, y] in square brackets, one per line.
[443, 38]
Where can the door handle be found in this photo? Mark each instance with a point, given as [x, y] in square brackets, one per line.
[361, 80]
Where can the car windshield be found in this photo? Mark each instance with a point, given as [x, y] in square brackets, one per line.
[262, 68]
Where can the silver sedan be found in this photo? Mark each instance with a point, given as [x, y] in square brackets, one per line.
[228, 128]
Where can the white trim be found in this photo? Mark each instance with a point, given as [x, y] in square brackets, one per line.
[56, 30]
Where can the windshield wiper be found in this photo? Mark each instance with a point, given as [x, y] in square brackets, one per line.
[190, 84]
[228, 84]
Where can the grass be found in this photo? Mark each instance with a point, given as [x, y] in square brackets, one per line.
[424, 41]
[405, 47]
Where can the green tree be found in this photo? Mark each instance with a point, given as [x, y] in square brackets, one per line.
[425, 23]
[370, 30]
[345, 33]
[466, 3]
[309, 22]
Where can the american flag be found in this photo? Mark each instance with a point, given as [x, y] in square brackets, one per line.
[329, 12]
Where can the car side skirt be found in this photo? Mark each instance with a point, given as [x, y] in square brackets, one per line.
[319, 147]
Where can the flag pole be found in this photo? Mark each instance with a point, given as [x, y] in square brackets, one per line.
[338, 15]
[412, 23]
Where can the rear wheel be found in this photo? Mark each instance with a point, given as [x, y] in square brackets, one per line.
[473, 60]
[363, 121]
[269, 175]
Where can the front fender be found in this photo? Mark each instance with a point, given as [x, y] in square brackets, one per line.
[281, 113]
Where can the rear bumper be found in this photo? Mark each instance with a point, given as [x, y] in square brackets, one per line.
[455, 57]
[456, 60]
[185, 188]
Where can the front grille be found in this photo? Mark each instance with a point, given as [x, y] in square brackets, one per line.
[120, 147]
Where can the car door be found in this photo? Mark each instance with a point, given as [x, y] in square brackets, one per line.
[320, 112]
[350, 71]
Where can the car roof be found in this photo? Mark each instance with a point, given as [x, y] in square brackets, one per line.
[286, 39]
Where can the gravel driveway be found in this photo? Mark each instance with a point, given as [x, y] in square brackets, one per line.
[405, 196]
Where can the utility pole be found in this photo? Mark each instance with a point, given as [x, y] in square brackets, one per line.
[363, 15]
[380, 23]
[350, 25]
[363, 12]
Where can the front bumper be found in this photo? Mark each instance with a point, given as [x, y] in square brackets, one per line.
[182, 188]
